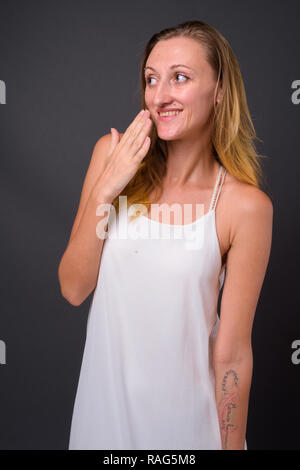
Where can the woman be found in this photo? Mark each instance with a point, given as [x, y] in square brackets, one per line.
[160, 369]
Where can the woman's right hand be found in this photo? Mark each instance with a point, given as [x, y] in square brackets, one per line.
[124, 157]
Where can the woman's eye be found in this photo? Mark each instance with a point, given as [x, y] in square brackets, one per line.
[177, 75]
[180, 74]
[148, 79]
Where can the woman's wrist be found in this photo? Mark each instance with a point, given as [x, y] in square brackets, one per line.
[99, 196]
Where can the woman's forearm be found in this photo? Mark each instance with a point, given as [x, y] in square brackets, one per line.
[79, 266]
[233, 383]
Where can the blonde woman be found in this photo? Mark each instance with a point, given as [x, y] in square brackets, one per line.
[161, 369]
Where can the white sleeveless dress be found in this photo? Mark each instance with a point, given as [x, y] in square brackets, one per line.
[147, 380]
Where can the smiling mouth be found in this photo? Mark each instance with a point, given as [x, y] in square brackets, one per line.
[169, 115]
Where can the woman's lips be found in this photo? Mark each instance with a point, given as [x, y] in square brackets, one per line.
[168, 118]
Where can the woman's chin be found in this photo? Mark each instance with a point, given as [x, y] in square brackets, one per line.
[168, 134]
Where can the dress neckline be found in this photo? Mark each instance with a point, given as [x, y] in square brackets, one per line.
[179, 225]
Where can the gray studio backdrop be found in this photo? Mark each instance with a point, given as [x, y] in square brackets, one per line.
[69, 71]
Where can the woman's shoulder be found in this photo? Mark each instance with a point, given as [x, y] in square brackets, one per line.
[245, 205]
[101, 152]
[105, 140]
[244, 196]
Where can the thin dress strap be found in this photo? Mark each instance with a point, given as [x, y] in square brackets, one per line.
[216, 197]
[215, 189]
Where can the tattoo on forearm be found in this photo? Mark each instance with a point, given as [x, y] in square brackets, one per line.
[228, 404]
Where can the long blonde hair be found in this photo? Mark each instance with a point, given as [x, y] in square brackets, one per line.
[233, 130]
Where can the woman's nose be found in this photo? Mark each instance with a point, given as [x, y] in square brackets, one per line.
[163, 93]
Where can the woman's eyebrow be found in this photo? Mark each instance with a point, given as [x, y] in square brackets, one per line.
[172, 67]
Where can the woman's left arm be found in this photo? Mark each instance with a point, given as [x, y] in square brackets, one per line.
[246, 265]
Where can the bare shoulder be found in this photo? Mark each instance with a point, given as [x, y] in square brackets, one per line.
[100, 153]
[96, 167]
[247, 205]
[104, 141]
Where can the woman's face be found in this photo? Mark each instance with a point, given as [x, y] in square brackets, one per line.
[188, 87]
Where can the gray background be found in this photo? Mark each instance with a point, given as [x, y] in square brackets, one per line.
[71, 72]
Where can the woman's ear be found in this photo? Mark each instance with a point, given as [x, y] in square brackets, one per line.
[219, 95]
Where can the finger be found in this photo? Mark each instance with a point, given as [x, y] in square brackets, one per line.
[138, 141]
[137, 119]
[133, 141]
[142, 152]
[115, 138]
[133, 130]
